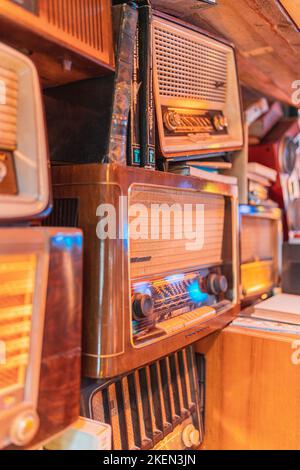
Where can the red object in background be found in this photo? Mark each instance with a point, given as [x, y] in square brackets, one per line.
[277, 150]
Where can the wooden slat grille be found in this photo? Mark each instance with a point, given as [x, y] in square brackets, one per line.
[81, 19]
[8, 108]
[172, 255]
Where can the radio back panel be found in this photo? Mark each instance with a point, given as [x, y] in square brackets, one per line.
[196, 91]
[148, 294]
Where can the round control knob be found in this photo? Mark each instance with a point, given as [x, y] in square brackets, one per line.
[191, 436]
[24, 428]
[142, 306]
[219, 122]
[216, 284]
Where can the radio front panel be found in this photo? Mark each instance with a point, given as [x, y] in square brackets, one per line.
[196, 91]
[168, 286]
[39, 364]
[159, 407]
[23, 273]
[24, 174]
[260, 248]
[146, 297]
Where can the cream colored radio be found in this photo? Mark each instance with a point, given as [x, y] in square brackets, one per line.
[260, 245]
[196, 91]
[24, 174]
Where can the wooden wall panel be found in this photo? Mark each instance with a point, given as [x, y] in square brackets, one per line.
[266, 38]
[252, 390]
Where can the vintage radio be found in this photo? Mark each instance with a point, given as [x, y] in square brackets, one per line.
[260, 250]
[149, 294]
[160, 406]
[279, 150]
[196, 91]
[40, 333]
[24, 174]
[67, 40]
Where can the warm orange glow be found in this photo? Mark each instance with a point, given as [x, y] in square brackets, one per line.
[293, 9]
[17, 280]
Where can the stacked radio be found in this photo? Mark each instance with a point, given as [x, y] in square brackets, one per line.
[161, 250]
[260, 251]
[66, 40]
[40, 271]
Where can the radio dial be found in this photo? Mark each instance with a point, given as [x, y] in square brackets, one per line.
[216, 284]
[142, 306]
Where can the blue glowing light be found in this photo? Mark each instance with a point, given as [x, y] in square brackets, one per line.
[195, 293]
[142, 288]
[67, 242]
[175, 278]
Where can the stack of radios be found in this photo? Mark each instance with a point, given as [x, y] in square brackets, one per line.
[40, 273]
[214, 288]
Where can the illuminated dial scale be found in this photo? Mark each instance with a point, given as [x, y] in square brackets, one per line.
[180, 121]
[173, 297]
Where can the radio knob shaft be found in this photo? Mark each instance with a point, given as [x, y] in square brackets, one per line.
[216, 284]
[142, 306]
[191, 436]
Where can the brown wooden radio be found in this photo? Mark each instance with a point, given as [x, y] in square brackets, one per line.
[40, 333]
[260, 251]
[67, 40]
[160, 406]
[148, 294]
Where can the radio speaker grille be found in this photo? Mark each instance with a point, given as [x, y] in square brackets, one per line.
[64, 213]
[166, 254]
[17, 279]
[187, 68]
[146, 405]
[8, 109]
[257, 239]
[80, 19]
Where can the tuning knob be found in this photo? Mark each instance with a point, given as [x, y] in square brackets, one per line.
[220, 122]
[216, 284]
[142, 306]
[191, 436]
[24, 428]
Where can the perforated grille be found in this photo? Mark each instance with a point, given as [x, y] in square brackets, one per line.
[188, 68]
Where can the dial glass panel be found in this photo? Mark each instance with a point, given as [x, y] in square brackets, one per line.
[17, 282]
